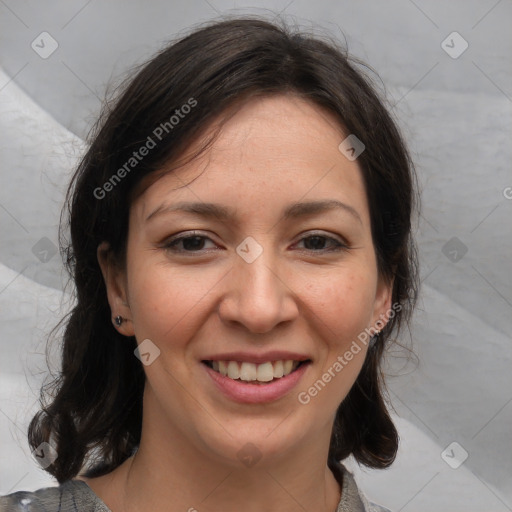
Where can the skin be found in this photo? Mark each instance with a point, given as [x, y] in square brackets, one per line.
[295, 296]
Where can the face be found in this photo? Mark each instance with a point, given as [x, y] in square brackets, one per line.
[257, 252]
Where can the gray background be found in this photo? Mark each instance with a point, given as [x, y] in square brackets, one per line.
[456, 114]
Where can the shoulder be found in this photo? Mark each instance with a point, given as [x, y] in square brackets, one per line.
[71, 496]
[352, 498]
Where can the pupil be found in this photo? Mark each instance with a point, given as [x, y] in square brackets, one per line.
[315, 242]
[193, 242]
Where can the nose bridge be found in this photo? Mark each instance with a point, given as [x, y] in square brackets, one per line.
[257, 298]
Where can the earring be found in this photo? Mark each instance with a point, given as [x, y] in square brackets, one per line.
[118, 320]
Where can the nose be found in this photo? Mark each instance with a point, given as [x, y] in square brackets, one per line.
[258, 296]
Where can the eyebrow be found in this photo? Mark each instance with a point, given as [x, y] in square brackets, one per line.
[295, 210]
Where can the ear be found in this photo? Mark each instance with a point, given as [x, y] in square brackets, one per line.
[115, 282]
[382, 305]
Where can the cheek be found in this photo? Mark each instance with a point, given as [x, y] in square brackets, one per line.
[342, 306]
[343, 303]
[164, 302]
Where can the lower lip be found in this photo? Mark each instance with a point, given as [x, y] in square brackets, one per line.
[248, 393]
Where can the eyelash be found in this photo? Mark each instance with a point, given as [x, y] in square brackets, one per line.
[171, 243]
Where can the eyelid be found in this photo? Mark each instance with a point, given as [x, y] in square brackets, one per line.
[339, 244]
[166, 243]
[326, 234]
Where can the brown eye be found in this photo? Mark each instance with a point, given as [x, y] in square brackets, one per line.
[322, 243]
[187, 243]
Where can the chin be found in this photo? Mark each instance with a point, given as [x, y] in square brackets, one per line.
[255, 441]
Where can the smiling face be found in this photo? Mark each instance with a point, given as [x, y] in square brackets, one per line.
[258, 251]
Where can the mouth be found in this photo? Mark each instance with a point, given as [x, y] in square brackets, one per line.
[253, 373]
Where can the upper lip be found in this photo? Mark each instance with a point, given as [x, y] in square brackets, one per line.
[258, 358]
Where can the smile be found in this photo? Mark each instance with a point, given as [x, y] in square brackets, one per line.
[255, 383]
[251, 372]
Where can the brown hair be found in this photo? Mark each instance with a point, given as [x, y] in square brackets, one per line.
[92, 412]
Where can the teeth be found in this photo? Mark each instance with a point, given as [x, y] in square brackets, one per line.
[265, 372]
[287, 366]
[249, 372]
[233, 370]
[223, 368]
[278, 369]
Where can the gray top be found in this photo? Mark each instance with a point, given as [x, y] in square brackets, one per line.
[77, 496]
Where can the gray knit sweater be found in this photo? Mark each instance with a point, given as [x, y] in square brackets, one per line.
[77, 496]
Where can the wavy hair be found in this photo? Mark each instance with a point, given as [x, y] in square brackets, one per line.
[92, 411]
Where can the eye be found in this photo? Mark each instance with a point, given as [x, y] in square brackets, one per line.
[317, 243]
[190, 243]
[196, 243]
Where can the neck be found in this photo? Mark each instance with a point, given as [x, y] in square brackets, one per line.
[299, 486]
[171, 472]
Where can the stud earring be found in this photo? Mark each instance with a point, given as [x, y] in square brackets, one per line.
[118, 320]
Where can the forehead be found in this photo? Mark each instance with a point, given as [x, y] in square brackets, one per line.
[275, 150]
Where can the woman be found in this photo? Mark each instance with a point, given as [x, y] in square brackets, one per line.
[241, 250]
